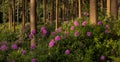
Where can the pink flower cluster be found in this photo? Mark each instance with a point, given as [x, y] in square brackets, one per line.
[102, 57]
[72, 28]
[57, 38]
[88, 34]
[32, 46]
[3, 47]
[99, 23]
[76, 34]
[84, 23]
[106, 29]
[14, 46]
[43, 31]
[58, 30]
[52, 41]
[67, 51]
[76, 23]
[33, 32]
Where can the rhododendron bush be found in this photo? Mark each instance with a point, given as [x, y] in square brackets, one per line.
[74, 41]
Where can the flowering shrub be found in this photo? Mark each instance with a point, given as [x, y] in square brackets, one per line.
[75, 41]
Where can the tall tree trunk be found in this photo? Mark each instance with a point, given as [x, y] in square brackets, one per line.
[23, 13]
[32, 18]
[57, 1]
[26, 9]
[93, 12]
[79, 8]
[108, 7]
[63, 11]
[14, 15]
[114, 8]
[72, 10]
[10, 13]
[3, 10]
[44, 10]
[101, 5]
[52, 10]
[18, 5]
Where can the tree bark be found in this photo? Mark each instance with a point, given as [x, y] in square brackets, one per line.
[108, 7]
[57, 13]
[44, 10]
[3, 10]
[23, 14]
[101, 5]
[114, 9]
[18, 6]
[32, 18]
[52, 10]
[79, 8]
[10, 13]
[93, 12]
[14, 15]
[63, 11]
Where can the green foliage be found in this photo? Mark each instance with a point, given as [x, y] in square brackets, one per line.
[82, 48]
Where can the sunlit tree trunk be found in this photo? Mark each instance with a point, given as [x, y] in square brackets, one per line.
[27, 10]
[57, 1]
[63, 11]
[3, 10]
[52, 11]
[44, 10]
[79, 8]
[72, 10]
[114, 8]
[18, 5]
[108, 7]
[14, 15]
[92, 12]
[101, 5]
[23, 13]
[32, 18]
[10, 13]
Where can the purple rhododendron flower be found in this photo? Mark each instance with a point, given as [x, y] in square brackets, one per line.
[99, 23]
[76, 23]
[88, 34]
[24, 52]
[76, 34]
[3, 47]
[44, 32]
[72, 28]
[67, 51]
[52, 33]
[14, 46]
[32, 46]
[85, 14]
[58, 30]
[106, 26]
[57, 38]
[33, 60]
[102, 57]
[51, 43]
[42, 28]
[33, 32]
[84, 23]
[106, 31]
[30, 36]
